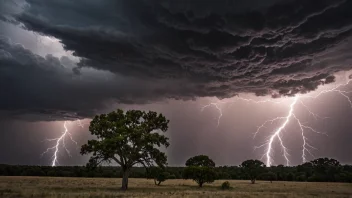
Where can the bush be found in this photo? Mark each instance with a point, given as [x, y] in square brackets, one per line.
[225, 185]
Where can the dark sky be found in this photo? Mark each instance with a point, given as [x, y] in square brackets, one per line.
[63, 60]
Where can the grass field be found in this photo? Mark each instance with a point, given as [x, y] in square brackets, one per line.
[101, 187]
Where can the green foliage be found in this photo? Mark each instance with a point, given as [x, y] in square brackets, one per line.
[159, 175]
[306, 169]
[344, 176]
[253, 168]
[225, 185]
[200, 174]
[326, 169]
[290, 177]
[128, 138]
[200, 160]
[301, 177]
[201, 169]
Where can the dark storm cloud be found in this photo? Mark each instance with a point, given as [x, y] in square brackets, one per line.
[47, 86]
[277, 48]
[177, 50]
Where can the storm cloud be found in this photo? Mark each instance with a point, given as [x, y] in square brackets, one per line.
[51, 86]
[156, 50]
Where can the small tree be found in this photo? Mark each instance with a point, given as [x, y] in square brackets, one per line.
[159, 175]
[128, 139]
[226, 185]
[253, 168]
[201, 169]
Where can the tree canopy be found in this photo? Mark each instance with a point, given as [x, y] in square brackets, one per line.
[253, 168]
[201, 169]
[127, 138]
[200, 160]
[325, 169]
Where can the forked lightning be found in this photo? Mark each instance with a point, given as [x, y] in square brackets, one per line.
[290, 117]
[60, 142]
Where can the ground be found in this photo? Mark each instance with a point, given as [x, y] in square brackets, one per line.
[40, 187]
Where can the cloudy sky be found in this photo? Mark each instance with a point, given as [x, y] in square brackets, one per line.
[249, 60]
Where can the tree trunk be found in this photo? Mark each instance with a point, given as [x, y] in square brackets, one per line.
[253, 181]
[125, 175]
[200, 184]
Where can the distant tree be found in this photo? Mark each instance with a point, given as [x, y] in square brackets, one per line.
[201, 169]
[290, 177]
[200, 160]
[306, 168]
[253, 168]
[281, 172]
[321, 164]
[128, 139]
[159, 175]
[344, 177]
[347, 168]
[326, 168]
[346, 174]
[300, 176]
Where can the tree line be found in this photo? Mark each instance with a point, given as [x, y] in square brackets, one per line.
[319, 170]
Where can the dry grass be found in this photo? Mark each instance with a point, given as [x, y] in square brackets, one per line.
[99, 187]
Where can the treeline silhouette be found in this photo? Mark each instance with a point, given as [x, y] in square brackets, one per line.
[319, 170]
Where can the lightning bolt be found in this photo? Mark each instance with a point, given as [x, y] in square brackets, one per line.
[216, 105]
[80, 124]
[60, 142]
[285, 120]
[277, 134]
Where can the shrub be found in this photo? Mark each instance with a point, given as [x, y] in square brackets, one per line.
[225, 185]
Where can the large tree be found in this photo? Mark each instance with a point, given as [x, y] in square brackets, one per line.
[127, 138]
[201, 169]
[253, 168]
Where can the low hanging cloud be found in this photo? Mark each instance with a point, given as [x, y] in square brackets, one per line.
[181, 50]
[50, 87]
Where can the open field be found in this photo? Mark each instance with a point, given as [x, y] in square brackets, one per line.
[103, 187]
